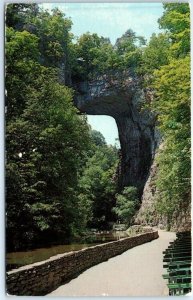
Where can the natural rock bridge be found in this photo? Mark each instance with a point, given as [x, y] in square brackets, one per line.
[136, 127]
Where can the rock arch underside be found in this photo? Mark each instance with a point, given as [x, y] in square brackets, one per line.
[136, 126]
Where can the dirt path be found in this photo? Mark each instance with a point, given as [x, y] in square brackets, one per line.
[136, 272]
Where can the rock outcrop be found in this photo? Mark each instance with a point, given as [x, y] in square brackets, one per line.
[136, 127]
[148, 215]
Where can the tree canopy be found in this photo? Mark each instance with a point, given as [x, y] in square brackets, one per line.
[49, 145]
[60, 174]
[171, 85]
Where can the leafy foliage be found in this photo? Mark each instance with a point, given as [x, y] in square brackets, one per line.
[97, 184]
[59, 173]
[176, 21]
[47, 142]
[171, 83]
[96, 58]
[51, 150]
[173, 102]
[48, 172]
[129, 49]
[155, 55]
[126, 204]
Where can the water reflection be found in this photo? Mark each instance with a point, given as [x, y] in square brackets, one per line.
[18, 259]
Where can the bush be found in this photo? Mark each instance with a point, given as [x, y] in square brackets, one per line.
[126, 204]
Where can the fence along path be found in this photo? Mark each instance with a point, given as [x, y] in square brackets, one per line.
[136, 272]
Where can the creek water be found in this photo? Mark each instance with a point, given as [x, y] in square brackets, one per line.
[21, 258]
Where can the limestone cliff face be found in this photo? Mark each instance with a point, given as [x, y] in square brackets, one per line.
[182, 221]
[147, 214]
[136, 127]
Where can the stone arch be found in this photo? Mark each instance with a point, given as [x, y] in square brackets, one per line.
[136, 127]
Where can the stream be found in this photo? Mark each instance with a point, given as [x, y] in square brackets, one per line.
[17, 259]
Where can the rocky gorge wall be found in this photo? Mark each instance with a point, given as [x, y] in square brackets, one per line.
[148, 215]
[43, 277]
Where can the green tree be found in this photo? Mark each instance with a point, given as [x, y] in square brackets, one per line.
[172, 85]
[172, 102]
[46, 139]
[17, 15]
[22, 68]
[98, 138]
[98, 186]
[48, 172]
[53, 32]
[128, 48]
[55, 42]
[126, 204]
[94, 56]
[155, 55]
[176, 21]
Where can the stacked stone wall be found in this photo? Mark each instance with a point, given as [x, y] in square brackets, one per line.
[43, 277]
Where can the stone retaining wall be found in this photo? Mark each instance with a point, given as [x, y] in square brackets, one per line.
[43, 277]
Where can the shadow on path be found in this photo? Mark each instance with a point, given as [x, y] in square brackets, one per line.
[136, 272]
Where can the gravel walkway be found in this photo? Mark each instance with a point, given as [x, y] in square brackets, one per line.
[136, 272]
